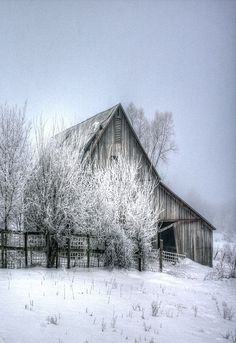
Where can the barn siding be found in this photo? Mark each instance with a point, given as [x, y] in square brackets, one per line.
[192, 237]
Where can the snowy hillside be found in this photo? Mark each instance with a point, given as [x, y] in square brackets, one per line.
[80, 305]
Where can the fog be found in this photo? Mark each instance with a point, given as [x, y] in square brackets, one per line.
[76, 58]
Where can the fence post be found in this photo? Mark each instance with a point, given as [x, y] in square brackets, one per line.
[88, 251]
[5, 237]
[68, 253]
[161, 255]
[98, 258]
[157, 240]
[26, 248]
[47, 248]
[57, 257]
[139, 263]
[2, 244]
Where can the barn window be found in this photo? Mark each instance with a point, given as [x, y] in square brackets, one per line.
[118, 128]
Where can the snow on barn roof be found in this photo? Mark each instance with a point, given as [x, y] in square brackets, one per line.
[82, 135]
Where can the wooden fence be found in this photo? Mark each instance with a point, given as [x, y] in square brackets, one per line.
[172, 257]
[23, 249]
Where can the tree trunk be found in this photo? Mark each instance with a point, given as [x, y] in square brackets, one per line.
[52, 247]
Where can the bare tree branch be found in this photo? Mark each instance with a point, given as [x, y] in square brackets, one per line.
[156, 135]
[14, 164]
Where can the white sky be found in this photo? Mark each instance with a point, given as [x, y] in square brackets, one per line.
[76, 58]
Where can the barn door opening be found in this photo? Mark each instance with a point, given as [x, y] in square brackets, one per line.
[167, 234]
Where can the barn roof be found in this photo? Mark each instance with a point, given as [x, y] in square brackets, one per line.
[86, 134]
[83, 134]
[174, 195]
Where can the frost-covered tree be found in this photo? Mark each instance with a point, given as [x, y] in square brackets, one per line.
[156, 134]
[66, 196]
[161, 137]
[128, 218]
[14, 165]
[56, 195]
[140, 124]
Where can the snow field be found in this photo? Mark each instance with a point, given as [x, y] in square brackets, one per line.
[82, 305]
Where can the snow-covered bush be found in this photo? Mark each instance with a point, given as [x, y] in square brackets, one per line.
[127, 216]
[228, 311]
[225, 310]
[52, 320]
[118, 251]
[156, 308]
[233, 336]
[225, 262]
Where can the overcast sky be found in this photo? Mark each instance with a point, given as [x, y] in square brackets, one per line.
[76, 58]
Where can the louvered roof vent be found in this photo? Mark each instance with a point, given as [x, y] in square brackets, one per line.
[118, 128]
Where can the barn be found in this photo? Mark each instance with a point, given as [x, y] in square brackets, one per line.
[109, 134]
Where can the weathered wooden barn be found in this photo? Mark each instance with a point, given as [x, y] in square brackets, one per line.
[108, 134]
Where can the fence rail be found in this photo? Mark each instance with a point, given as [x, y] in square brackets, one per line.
[172, 257]
[159, 257]
[23, 249]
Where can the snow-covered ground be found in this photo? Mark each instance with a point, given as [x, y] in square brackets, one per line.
[81, 305]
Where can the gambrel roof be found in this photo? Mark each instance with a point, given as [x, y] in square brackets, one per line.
[86, 135]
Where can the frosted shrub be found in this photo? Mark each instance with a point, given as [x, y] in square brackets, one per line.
[195, 310]
[136, 307]
[52, 320]
[146, 327]
[231, 260]
[103, 325]
[230, 336]
[226, 335]
[233, 336]
[228, 312]
[113, 321]
[127, 219]
[225, 266]
[110, 257]
[156, 306]
[118, 252]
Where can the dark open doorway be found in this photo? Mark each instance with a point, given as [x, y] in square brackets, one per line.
[167, 234]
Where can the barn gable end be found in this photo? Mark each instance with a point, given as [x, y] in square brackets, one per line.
[119, 138]
[109, 134]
